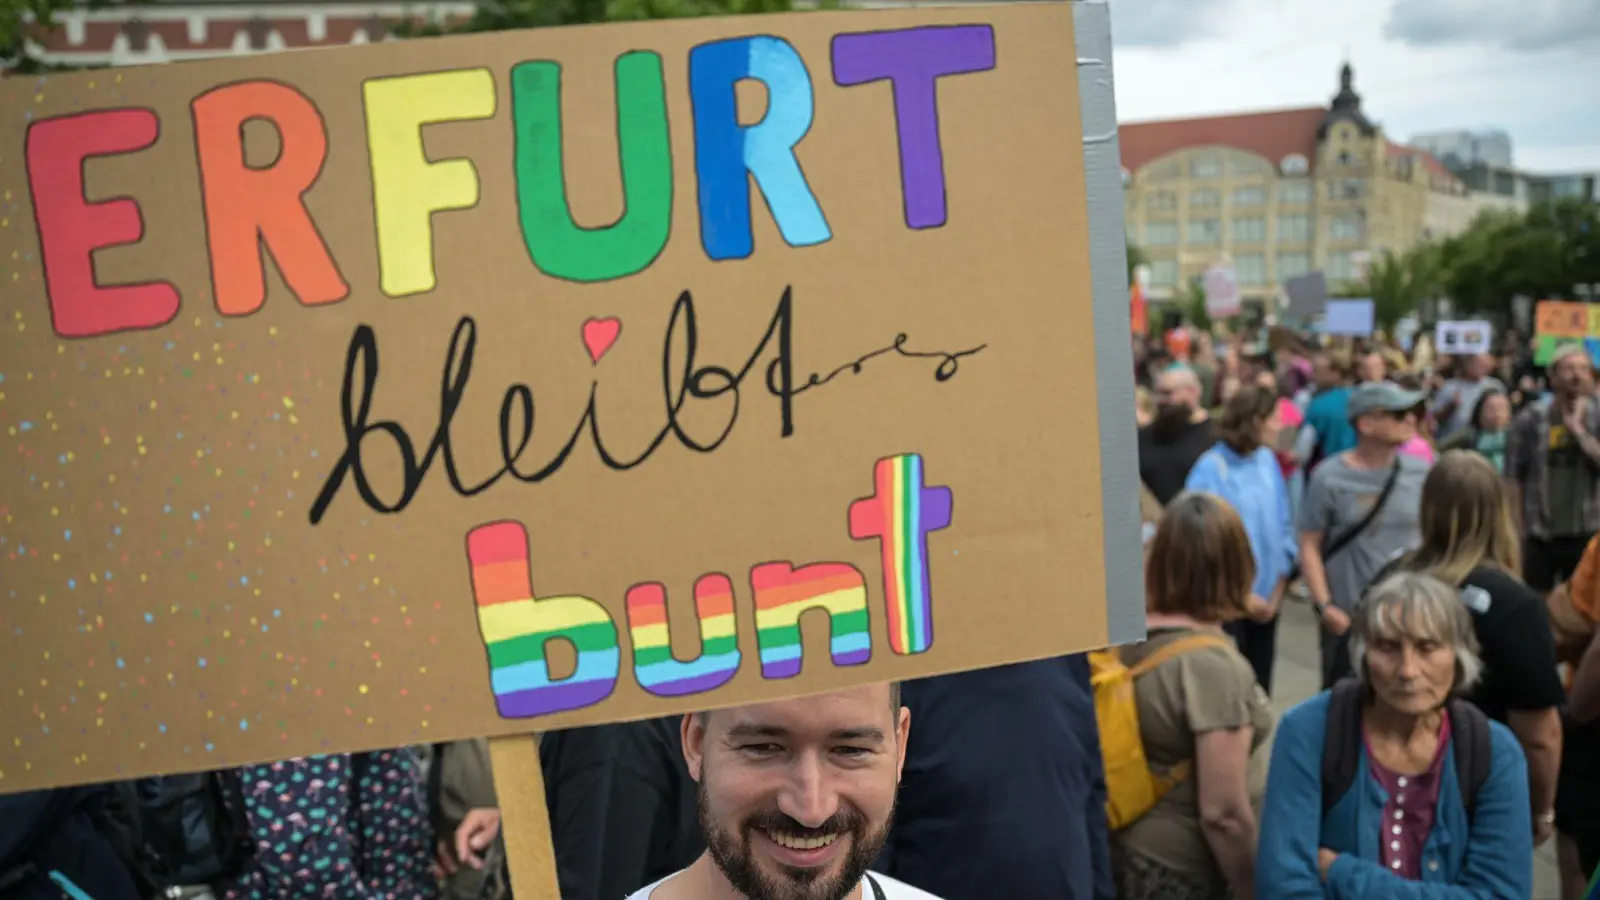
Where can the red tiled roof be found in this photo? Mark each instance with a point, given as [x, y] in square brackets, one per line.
[1273, 135]
[1428, 159]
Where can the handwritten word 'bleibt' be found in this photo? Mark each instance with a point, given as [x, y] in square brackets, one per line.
[683, 379]
[248, 208]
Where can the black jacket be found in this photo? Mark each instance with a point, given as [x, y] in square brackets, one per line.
[49, 838]
[1003, 793]
[621, 804]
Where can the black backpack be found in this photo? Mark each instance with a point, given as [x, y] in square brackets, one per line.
[178, 829]
[1341, 750]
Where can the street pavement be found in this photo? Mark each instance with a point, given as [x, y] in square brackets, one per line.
[1297, 676]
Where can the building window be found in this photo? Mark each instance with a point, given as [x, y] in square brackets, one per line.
[1249, 231]
[1345, 227]
[1341, 267]
[1249, 196]
[1163, 171]
[1203, 231]
[1247, 165]
[1294, 193]
[1160, 234]
[1251, 268]
[1293, 265]
[1163, 272]
[1347, 189]
[1295, 164]
[1205, 199]
[1294, 229]
[1162, 201]
[1206, 166]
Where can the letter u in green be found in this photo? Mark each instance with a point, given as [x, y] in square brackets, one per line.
[558, 245]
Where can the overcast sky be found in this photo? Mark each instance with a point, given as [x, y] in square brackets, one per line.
[1530, 67]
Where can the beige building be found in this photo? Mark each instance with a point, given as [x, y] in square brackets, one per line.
[1276, 194]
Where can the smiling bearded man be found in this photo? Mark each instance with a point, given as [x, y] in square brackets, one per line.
[795, 799]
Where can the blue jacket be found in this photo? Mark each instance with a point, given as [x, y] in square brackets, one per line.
[1492, 857]
[1254, 486]
[1003, 793]
[1328, 414]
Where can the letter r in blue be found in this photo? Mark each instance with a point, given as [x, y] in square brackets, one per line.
[728, 154]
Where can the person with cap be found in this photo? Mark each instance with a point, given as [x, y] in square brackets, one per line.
[1553, 466]
[1552, 469]
[1360, 509]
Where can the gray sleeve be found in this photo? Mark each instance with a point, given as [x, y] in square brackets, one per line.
[1316, 509]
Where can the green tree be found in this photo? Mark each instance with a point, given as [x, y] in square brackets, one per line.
[1541, 254]
[1136, 258]
[1399, 283]
[1191, 299]
[497, 15]
[21, 18]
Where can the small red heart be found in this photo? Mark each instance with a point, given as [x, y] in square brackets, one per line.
[599, 335]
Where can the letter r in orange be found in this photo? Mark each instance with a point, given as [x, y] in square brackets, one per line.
[248, 207]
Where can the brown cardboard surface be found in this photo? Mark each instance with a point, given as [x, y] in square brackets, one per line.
[168, 602]
[519, 789]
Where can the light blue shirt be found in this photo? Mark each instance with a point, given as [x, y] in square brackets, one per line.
[1253, 485]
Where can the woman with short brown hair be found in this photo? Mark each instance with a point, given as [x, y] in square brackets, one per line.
[1202, 716]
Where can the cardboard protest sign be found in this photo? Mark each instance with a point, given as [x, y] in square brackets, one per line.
[1560, 318]
[489, 385]
[1460, 338]
[1353, 318]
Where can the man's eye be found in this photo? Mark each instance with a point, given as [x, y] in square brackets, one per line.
[852, 752]
[760, 749]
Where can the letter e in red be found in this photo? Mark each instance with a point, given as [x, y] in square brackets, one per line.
[71, 228]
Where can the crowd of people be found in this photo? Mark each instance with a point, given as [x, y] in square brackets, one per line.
[1437, 515]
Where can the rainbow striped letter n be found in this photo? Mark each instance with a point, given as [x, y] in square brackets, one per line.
[784, 592]
[516, 627]
[654, 666]
[900, 515]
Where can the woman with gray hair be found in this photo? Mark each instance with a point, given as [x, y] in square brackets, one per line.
[1390, 786]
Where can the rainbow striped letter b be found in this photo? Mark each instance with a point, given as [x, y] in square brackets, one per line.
[516, 627]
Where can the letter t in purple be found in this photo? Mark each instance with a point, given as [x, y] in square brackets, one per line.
[912, 60]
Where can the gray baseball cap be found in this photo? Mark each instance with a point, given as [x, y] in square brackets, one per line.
[1382, 396]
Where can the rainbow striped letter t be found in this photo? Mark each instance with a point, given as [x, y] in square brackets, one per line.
[516, 626]
[900, 515]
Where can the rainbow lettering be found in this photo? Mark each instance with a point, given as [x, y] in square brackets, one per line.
[516, 627]
[784, 592]
[654, 666]
[256, 214]
[900, 514]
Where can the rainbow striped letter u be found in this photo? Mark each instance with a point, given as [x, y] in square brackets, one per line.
[654, 666]
[516, 627]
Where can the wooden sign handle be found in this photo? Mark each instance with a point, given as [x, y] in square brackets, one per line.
[524, 820]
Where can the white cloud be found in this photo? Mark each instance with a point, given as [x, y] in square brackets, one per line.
[1521, 25]
[1265, 54]
[1164, 23]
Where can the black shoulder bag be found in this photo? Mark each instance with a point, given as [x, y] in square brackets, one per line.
[1329, 549]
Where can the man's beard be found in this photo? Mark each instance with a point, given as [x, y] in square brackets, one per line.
[1170, 421]
[736, 859]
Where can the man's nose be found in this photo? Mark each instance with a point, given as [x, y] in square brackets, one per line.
[807, 798]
